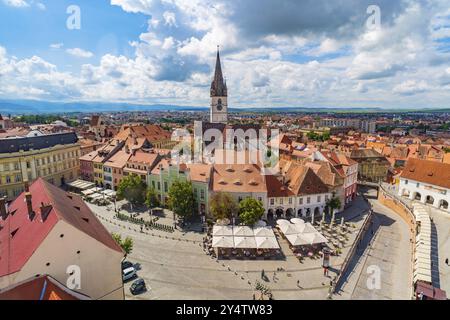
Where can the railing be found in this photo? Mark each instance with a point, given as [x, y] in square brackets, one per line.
[352, 251]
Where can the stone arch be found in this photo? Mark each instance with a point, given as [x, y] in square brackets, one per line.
[417, 196]
[308, 212]
[300, 213]
[279, 213]
[429, 200]
[316, 211]
[443, 204]
[270, 214]
[289, 213]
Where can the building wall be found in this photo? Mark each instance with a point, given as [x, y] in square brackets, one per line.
[100, 266]
[307, 204]
[87, 170]
[98, 173]
[57, 165]
[163, 181]
[415, 190]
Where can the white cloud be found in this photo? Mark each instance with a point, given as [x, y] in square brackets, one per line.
[56, 46]
[169, 19]
[80, 53]
[411, 87]
[16, 3]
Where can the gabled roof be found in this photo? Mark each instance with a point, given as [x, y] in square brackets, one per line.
[303, 181]
[432, 172]
[16, 243]
[40, 288]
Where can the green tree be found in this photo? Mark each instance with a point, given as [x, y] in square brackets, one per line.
[250, 211]
[151, 198]
[126, 244]
[132, 188]
[333, 204]
[181, 198]
[223, 206]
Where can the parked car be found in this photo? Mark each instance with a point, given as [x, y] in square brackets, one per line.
[128, 274]
[126, 265]
[138, 286]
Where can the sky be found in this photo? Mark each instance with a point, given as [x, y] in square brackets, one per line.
[275, 53]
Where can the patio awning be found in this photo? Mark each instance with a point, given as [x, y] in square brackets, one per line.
[267, 243]
[222, 230]
[245, 242]
[297, 240]
[306, 228]
[314, 238]
[223, 242]
[282, 221]
[260, 223]
[290, 228]
[297, 221]
[243, 231]
[263, 232]
[81, 184]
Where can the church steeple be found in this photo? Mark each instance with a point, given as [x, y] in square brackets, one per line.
[219, 95]
[218, 86]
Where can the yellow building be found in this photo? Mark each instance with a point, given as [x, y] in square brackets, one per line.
[22, 160]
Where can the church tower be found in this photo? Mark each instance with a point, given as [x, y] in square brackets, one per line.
[219, 95]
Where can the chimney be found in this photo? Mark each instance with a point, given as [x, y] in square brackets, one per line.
[3, 210]
[45, 211]
[29, 205]
[127, 149]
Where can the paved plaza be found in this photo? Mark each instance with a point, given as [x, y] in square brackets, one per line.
[175, 266]
[386, 250]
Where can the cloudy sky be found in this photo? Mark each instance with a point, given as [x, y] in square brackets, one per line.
[303, 53]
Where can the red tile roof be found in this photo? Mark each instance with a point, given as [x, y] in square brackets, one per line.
[40, 288]
[20, 237]
[427, 171]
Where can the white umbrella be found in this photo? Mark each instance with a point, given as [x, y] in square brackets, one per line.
[288, 229]
[242, 231]
[245, 242]
[306, 228]
[297, 220]
[313, 238]
[222, 230]
[260, 223]
[297, 240]
[223, 242]
[267, 243]
[263, 232]
[282, 221]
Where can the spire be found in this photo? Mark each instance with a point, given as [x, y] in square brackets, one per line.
[218, 86]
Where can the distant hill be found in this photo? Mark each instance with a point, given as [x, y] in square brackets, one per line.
[41, 107]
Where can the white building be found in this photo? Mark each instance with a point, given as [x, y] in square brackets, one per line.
[47, 231]
[427, 182]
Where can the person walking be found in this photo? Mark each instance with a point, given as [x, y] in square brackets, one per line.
[446, 261]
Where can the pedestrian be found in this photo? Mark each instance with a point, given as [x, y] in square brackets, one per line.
[446, 261]
[254, 297]
[298, 283]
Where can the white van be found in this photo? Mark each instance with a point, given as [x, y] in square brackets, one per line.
[128, 273]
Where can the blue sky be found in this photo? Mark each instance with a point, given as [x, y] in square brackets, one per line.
[275, 53]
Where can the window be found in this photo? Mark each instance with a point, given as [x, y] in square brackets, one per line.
[16, 166]
[281, 200]
[272, 201]
[18, 178]
[406, 181]
[300, 201]
[202, 194]
[8, 179]
[159, 185]
[319, 198]
[326, 197]
[308, 200]
[153, 184]
[290, 200]
[165, 186]
[418, 185]
[259, 199]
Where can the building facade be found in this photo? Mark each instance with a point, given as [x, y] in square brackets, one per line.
[53, 157]
[427, 182]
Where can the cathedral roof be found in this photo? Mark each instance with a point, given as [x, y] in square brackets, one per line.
[218, 85]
